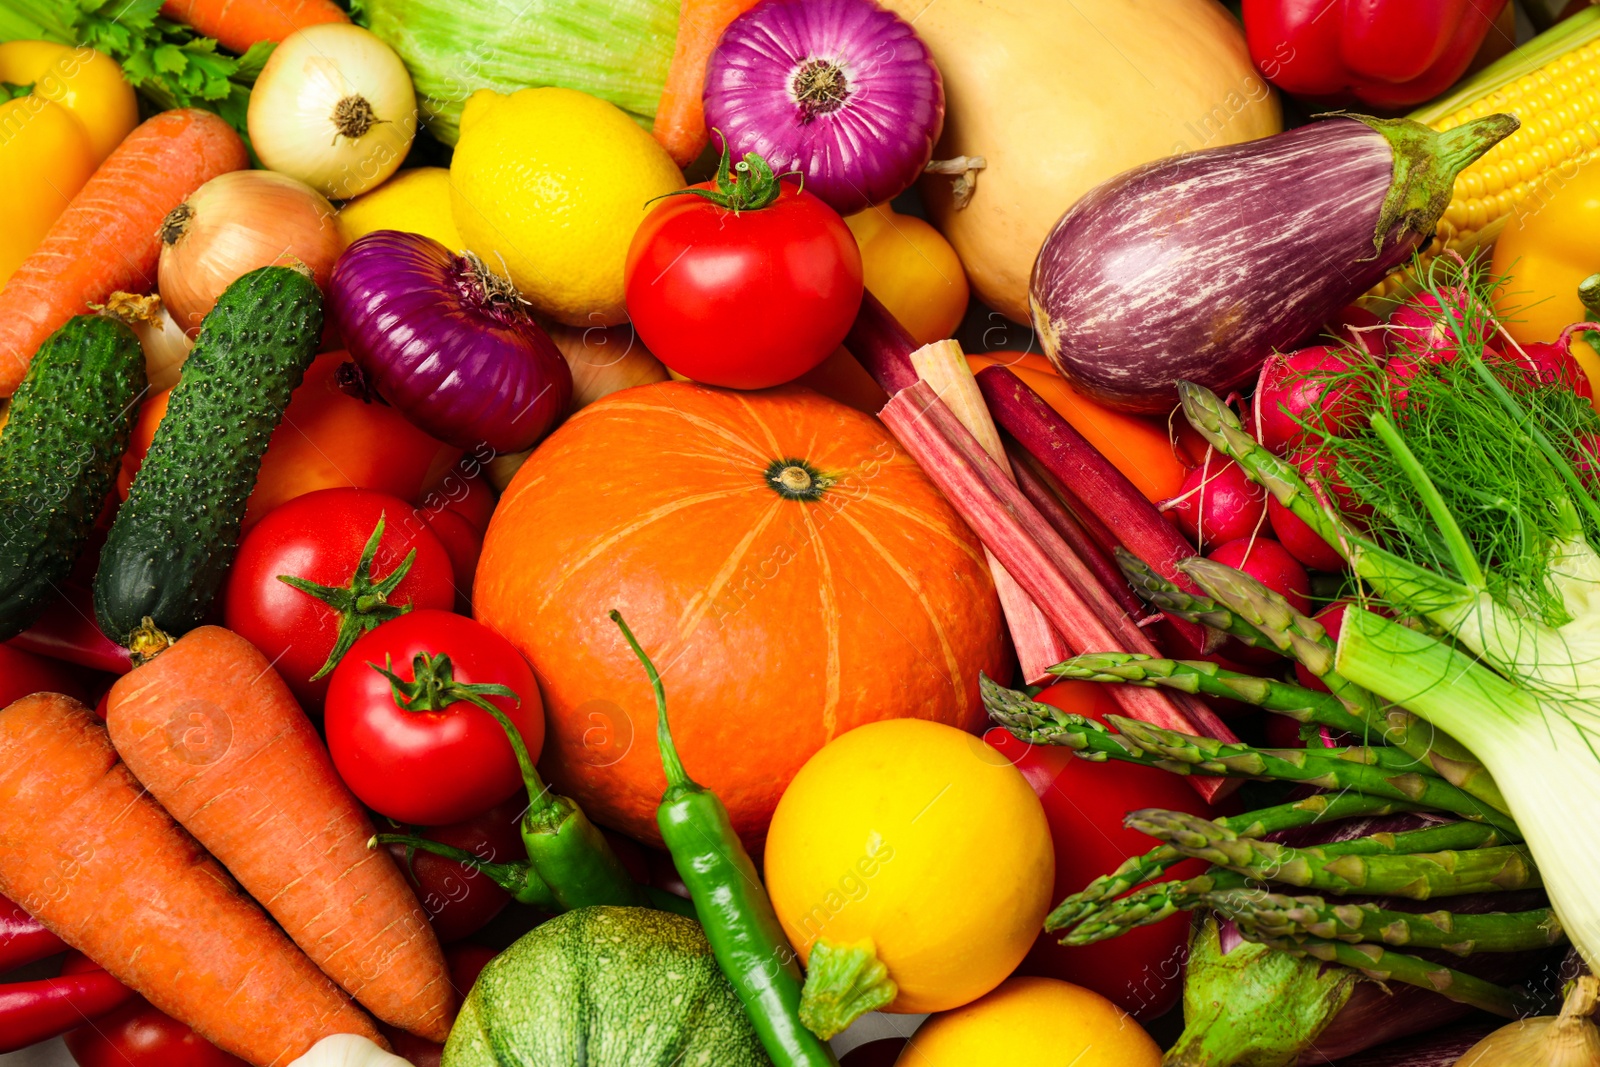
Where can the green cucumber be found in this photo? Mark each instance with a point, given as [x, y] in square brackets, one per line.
[59, 453]
[175, 537]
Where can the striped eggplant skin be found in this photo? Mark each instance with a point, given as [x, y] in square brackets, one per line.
[1200, 266]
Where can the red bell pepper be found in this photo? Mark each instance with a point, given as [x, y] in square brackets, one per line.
[1386, 54]
[23, 939]
[37, 1011]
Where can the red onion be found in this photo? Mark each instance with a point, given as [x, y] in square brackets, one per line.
[448, 342]
[842, 91]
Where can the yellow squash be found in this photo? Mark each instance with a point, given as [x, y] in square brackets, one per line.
[915, 846]
[1033, 1022]
[1057, 97]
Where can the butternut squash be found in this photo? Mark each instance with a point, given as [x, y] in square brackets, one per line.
[1057, 97]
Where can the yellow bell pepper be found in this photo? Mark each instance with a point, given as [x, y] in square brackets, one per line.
[1551, 246]
[45, 157]
[88, 84]
[77, 108]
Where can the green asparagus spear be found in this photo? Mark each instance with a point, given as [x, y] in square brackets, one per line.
[1465, 868]
[1151, 904]
[1384, 965]
[1377, 772]
[1136, 870]
[1202, 676]
[1278, 915]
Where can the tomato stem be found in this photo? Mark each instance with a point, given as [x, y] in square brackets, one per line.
[748, 185]
[362, 604]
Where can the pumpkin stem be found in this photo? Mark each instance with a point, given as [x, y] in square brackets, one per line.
[843, 983]
[678, 780]
[362, 603]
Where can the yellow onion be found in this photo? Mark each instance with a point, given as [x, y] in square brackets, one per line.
[165, 345]
[333, 107]
[235, 223]
[1566, 1040]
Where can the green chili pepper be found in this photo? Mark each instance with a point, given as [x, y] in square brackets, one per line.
[734, 909]
[520, 879]
[567, 851]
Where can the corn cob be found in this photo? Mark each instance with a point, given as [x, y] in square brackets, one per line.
[1552, 85]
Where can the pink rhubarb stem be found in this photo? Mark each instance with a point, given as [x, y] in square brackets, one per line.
[1094, 481]
[1037, 557]
[882, 346]
[1036, 486]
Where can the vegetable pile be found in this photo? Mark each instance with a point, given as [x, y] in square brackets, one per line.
[606, 534]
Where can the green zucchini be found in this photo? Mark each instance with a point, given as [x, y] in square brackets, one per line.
[59, 454]
[175, 537]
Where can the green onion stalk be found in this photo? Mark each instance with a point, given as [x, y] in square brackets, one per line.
[1479, 531]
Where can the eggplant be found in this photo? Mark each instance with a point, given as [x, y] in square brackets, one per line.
[1200, 266]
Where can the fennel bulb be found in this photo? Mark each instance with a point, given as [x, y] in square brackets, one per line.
[618, 50]
[1476, 530]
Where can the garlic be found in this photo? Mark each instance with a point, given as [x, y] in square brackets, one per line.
[348, 1050]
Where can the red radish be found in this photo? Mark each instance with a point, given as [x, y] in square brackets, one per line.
[1217, 502]
[1320, 470]
[1301, 541]
[1293, 391]
[1270, 564]
[1356, 325]
[1332, 619]
[1423, 329]
[1550, 362]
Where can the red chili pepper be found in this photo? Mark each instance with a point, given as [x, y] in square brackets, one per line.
[1388, 54]
[37, 1011]
[23, 939]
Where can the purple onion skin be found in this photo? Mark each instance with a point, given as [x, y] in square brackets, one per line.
[1200, 266]
[466, 364]
[863, 149]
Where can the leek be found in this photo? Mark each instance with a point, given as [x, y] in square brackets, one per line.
[618, 50]
[1482, 540]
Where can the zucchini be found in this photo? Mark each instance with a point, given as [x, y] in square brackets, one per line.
[175, 537]
[68, 427]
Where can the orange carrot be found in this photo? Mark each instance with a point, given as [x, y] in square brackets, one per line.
[253, 783]
[90, 855]
[109, 236]
[681, 116]
[1136, 446]
[238, 24]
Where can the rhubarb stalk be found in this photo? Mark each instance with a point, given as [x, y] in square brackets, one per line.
[1032, 551]
[944, 367]
[882, 345]
[1092, 479]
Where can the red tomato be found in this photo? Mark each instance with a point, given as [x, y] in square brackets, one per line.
[745, 299]
[458, 899]
[327, 439]
[138, 1035]
[435, 765]
[1085, 803]
[22, 673]
[320, 537]
[463, 545]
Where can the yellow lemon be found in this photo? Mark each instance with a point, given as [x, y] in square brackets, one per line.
[417, 201]
[552, 183]
[919, 845]
[1033, 1022]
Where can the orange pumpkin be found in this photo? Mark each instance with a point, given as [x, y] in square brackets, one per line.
[787, 566]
